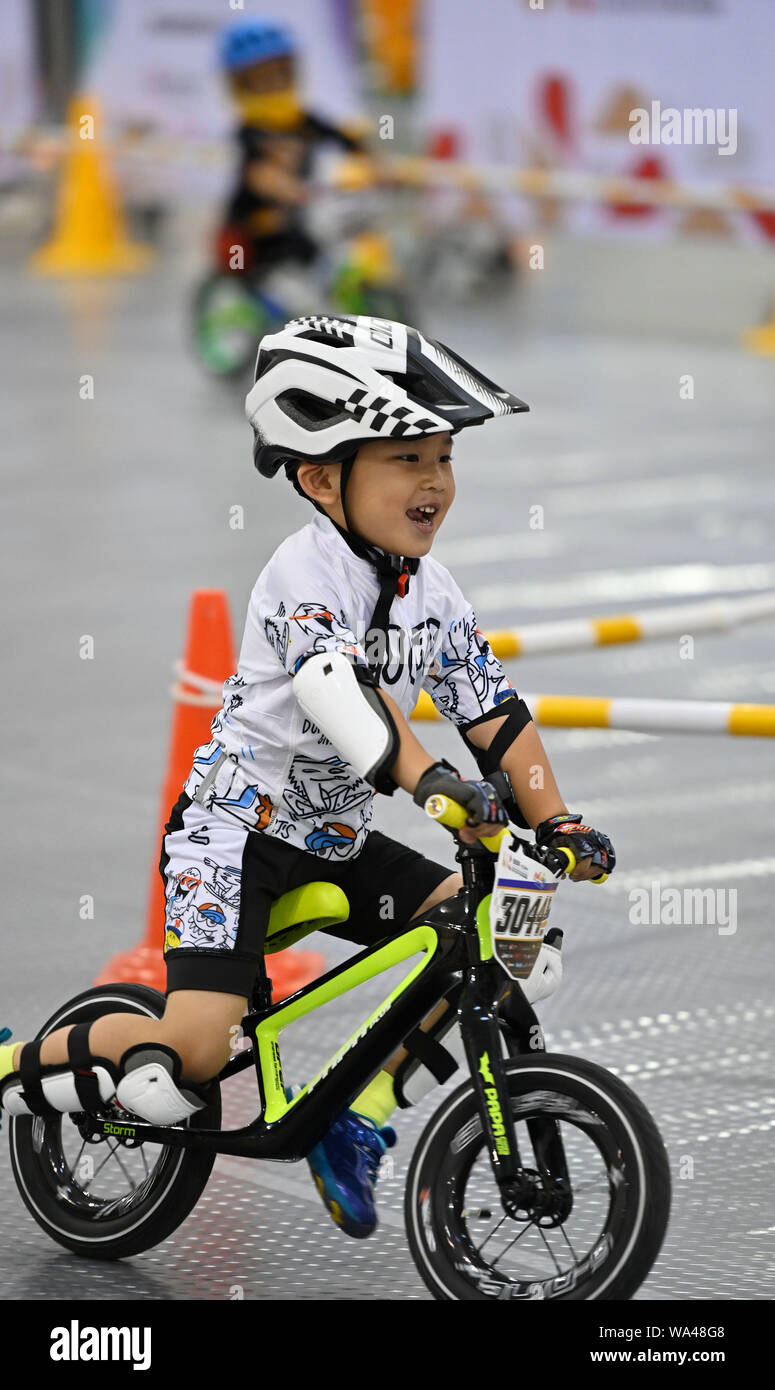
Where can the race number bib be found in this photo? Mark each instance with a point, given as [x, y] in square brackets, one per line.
[519, 909]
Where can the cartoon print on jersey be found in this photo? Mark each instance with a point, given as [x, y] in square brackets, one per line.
[234, 703]
[204, 757]
[336, 839]
[252, 808]
[312, 618]
[286, 633]
[326, 787]
[225, 883]
[202, 763]
[230, 703]
[334, 835]
[466, 666]
[277, 634]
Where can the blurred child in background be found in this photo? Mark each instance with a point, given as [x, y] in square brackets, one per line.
[277, 139]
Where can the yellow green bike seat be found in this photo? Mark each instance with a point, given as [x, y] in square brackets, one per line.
[312, 907]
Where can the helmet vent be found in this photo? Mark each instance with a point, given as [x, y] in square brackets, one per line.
[315, 336]
[308, 410]
[422, 388]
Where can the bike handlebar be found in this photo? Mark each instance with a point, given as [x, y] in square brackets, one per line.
[455, 816]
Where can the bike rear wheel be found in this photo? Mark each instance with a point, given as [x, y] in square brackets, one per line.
[107, 1199]
[606, 1231]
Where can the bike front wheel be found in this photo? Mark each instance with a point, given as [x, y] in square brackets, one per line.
[107, 1199]
[608, 1198]
[229, 318]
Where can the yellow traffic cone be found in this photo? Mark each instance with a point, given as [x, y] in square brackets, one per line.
[762, 339]
[90, 236]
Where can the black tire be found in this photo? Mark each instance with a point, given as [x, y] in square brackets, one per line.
[228, 319]
[624, 1217]
[53, 1192]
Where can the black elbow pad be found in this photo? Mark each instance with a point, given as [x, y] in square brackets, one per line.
[489, 759]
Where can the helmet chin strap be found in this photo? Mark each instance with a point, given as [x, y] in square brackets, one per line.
[393, 571]
[385, 561]
[344, 478]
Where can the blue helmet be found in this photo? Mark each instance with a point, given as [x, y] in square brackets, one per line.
[254, 41]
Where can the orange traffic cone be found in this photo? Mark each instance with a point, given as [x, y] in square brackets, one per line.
[90, 236]
[209, 657]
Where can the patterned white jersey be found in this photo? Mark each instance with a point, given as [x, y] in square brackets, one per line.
[268, 766]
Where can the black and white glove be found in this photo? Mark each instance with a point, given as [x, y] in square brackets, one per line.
[582, 839]
[479, 799]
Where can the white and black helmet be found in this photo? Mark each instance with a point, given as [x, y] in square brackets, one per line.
[326, 385]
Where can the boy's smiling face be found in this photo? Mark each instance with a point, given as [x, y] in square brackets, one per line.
[398, 493]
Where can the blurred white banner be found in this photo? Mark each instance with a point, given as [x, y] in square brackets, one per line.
[555, 87]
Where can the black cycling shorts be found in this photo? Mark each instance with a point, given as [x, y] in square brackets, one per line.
[221, 880]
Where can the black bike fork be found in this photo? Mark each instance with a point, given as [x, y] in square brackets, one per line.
[481, 1037]
[524, 1035]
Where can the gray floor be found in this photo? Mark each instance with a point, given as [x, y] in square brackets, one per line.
[118, 507]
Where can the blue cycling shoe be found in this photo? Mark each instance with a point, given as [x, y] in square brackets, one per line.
[344, 1165]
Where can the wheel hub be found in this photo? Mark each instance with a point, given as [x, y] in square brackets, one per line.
[527, 1198]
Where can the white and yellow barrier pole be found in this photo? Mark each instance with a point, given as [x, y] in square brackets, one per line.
[647, 716]
[576, 186]
[580, 711]
[716, 616]
[427, 172]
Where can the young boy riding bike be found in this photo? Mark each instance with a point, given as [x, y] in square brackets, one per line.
[277, 139]
[348, 621]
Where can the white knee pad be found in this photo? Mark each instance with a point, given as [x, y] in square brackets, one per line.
[59, 1091]
[149, 1085]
